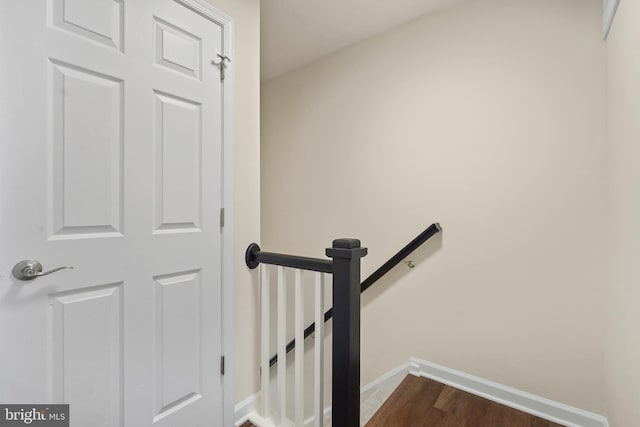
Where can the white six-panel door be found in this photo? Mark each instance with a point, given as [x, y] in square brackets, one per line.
[111, 162]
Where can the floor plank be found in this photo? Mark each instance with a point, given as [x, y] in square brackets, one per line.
[406, 401]
[421, 402]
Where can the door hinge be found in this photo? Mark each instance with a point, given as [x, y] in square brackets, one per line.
[222, 365]
[221, 217]
[222, 63]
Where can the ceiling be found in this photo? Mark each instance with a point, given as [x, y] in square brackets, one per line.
[297, 32]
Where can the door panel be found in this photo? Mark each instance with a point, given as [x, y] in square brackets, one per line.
[97, 20]
[178, 164]
[87, 146]
[177, 49]
[178, 341]
[86, 334]
[111, 162]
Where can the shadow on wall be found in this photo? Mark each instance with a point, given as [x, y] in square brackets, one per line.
[419, 257]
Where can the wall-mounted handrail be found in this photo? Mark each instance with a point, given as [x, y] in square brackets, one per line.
[432, 230]
[396, 259]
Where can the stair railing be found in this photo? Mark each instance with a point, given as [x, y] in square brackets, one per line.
[396, 259]
[345, 269]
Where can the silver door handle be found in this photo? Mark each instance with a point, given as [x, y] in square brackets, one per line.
[29, 269]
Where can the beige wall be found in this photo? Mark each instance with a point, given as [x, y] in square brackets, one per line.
[622, 359]
[488, 117]
[246, 62]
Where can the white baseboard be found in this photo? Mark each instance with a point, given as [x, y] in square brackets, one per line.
[517, 399]
[390, 379]
[523, 401]
[374, 394]
[246, 408]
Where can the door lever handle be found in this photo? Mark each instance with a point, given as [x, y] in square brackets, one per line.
[29, 269]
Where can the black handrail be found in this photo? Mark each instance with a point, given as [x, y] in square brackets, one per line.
[345, 358]
[366, 284]
[254, 256]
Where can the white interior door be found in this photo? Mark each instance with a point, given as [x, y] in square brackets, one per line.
[111, 162]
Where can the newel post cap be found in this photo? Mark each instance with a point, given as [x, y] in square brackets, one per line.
[346, 248]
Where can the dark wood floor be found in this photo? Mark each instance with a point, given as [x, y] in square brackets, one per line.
[421, 402]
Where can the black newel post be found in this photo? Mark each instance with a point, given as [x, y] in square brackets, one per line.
[346, 254]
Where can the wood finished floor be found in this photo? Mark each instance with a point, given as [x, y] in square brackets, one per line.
[421, 402]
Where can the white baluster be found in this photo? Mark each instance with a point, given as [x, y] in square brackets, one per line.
[299, 358]
[282, 345]
[265, 339]
[318, 398]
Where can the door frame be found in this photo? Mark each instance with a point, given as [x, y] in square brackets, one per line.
[227, 315]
